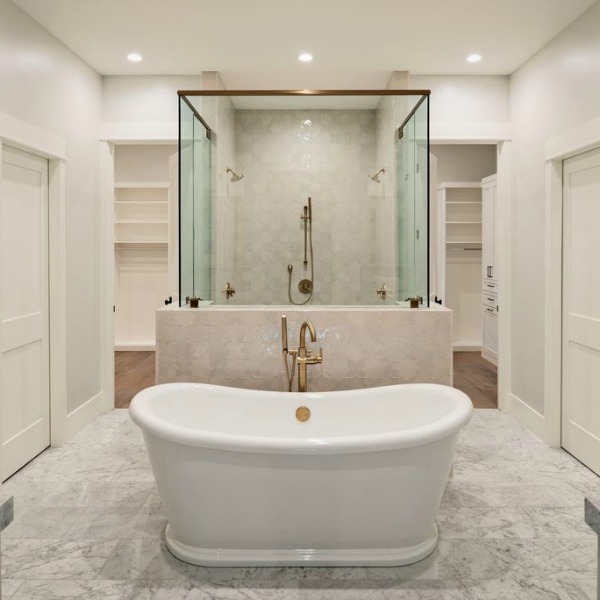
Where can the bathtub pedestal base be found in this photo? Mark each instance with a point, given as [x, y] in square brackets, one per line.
[318, 557]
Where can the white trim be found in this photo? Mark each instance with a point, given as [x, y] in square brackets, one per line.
[575, 141]
[469, 132]
[107, 252]
[140, 132]
[82, 415]
[504, 197]
[553, 294]
[135, 347]
[466, 347]
[529, 417]
[24, 136]
[57, 260]
[493, 358]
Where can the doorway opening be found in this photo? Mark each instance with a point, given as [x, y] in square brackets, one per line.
[465, 275]
[145, 258]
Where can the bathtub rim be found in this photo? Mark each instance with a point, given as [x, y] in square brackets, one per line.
[439, 429]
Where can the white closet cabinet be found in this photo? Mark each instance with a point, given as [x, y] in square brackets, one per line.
[144, 241]
[458, 268]
[491, 285]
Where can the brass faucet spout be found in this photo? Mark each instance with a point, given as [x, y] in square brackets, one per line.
[313, 334]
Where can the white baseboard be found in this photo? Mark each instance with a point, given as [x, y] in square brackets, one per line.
[527, 416]
[141, 347]
[465, 347]
[493, 358]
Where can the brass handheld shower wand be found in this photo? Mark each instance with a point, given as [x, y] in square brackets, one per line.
[305, 286]
[306, 216]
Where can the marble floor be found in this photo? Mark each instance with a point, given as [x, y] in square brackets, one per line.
[89, 525]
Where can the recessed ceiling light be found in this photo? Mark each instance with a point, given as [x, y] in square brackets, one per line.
[473, 58]
[134, 57]
[305, 57]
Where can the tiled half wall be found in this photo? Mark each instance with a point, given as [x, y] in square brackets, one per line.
[362, 347]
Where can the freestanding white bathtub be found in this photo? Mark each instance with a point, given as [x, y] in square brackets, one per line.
[245, 483]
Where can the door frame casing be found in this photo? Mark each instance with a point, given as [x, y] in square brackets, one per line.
[130, 133]
[23, 136]
[571, 143]
[503, 143]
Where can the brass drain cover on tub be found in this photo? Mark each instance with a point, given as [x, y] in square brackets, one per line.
[302, 413]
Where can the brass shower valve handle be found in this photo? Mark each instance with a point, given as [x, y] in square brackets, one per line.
[229, 290]
[383, 292]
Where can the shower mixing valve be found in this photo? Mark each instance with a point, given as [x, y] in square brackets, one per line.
[383, 292]
[229, 290]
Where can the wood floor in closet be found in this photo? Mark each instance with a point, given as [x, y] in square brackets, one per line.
[474, 375]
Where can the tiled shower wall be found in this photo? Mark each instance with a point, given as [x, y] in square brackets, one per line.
[287, 156]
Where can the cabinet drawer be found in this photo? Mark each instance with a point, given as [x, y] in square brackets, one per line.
[490, 286]
[490, 310]
[490, 299]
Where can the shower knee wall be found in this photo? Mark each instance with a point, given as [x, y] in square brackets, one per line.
[363, 347]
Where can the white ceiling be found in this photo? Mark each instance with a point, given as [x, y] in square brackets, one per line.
[255, 44]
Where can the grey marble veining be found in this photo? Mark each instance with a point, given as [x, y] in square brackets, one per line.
[592, 513]
[90, 525]
[6, 512]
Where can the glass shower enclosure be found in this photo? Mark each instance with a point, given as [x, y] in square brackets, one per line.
[304, 197]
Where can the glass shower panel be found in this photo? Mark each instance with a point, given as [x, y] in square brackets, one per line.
[203, 227]
[412, 165]
[186, 202]
[421, 195]
[244, 191]
[195, 214]
[405, 212]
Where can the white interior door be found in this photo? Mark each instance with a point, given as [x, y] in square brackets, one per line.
[581, 309]
[24, 335]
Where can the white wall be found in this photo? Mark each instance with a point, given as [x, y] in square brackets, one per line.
[46, 85]
[464, 107]
[469, 162]
[559, 88]
[143, 98]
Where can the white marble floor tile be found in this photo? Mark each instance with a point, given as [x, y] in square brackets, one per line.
[54, 559]
[10, 587]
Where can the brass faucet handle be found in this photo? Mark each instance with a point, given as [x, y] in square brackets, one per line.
[383, 291]
[313, 359]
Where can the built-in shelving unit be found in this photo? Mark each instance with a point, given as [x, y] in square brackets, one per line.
[141, 214]
[459, 226]
[462, 222]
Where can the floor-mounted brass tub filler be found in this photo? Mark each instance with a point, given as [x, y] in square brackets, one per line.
[300, 356]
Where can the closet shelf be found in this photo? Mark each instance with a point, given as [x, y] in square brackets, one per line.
[150, 202]
[141, 184]
[464, 222]
[138, 222]
[124, 244]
